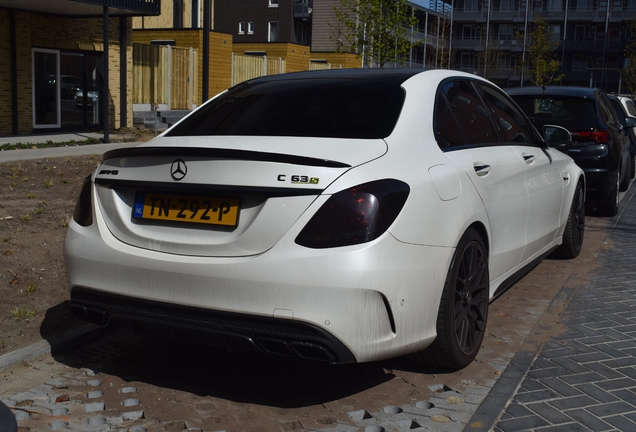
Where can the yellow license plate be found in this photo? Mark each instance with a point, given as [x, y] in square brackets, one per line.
[207, 210]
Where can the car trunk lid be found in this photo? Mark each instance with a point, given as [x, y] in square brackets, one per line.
[219, 196]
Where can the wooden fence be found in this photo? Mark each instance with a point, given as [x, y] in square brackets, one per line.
[245, 67]
[322, 65]
[165, 75]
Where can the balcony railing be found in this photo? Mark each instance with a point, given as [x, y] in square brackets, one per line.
[625, 12]
[138, 6]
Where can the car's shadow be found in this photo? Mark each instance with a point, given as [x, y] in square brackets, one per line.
[243, 377]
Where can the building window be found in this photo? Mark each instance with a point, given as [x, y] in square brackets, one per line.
[554, 32]
[600, 33]
[504, 5]
[467, 60]
[615, 32]
[583, 5]
[581, 32]
[196, 9]
[241, 27]
[505, 61]
[273, 31]
[505, 32]
[469, 32]
[468, 6]
[250, 27]
[273, 3]
[177, 14]
[579, 62]
[302, 33]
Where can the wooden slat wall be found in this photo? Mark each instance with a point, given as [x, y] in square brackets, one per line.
[246, 67]
[163, 75]
[220, 59]
[319, 65]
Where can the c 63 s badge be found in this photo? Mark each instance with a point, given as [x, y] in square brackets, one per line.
[298, 179]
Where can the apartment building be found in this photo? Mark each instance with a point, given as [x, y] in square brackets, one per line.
[590, 36]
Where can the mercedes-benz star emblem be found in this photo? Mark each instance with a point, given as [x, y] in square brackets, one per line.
[178, 170]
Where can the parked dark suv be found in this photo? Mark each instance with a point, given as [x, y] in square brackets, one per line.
[600, 145]
[628, 124]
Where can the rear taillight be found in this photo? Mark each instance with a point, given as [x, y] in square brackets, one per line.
[599, 137]
[356, 215]
[83, 213]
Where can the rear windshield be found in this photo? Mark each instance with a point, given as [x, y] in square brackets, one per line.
[344, 108]
[574, 114]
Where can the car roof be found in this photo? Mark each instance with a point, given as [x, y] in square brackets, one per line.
[394, 76]
[584, 92]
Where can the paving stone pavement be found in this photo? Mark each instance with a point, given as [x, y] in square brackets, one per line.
[585, 378]
[582, 379]
[87, 400]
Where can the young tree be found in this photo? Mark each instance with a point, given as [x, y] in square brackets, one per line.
[490, 58]
[541, 53]
[442, 56]
[377, 30]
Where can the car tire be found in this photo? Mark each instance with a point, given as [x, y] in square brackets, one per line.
[632, 168]
[575, 226]
[624, 184]
[608, 205]
[8, 422]
[463, 310]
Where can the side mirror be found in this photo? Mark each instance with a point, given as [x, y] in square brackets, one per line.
[630, 122]
[557, 136]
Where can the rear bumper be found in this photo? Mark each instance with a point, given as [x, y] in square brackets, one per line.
[235, 332]
[357, 303]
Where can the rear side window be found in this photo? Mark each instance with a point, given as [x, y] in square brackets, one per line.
[618, 109]
[462, 99]
[574, 114]
[509, 121]
[608, 114]
[447, 128]
[343, 108]
[631, 108]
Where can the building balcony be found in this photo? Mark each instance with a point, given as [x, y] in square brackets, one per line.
[626, 13]
[303, 9]
[140, 6]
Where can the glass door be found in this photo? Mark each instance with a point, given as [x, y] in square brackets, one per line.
[71, 88]
[46, 88]
[67, 89]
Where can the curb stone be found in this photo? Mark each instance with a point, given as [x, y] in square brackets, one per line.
[57, 344]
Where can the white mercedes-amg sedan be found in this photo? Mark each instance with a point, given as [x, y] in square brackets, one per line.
[336, 216]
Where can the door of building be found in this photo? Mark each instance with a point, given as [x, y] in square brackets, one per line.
[67, 88]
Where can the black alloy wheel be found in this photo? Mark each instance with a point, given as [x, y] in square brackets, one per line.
[463, 311]
[471, 298]
[575, 226]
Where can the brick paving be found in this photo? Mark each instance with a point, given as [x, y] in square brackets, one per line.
[581, 379]
[585, 378]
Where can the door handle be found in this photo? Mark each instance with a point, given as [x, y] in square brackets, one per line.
[528, 158]
[481, 169]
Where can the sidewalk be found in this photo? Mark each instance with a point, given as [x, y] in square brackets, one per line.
[584, 378]
[38, 153]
